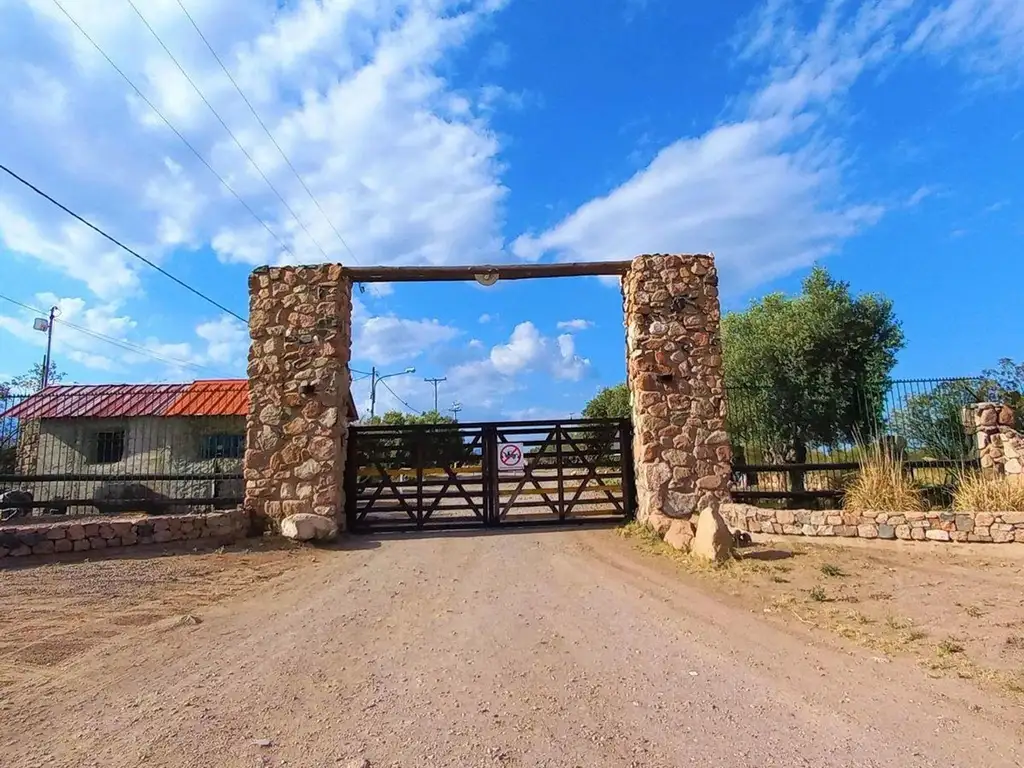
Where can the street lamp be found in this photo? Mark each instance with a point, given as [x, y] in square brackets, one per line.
[377, 377]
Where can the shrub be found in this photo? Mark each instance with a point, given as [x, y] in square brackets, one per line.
[882, 484]
[977, 493]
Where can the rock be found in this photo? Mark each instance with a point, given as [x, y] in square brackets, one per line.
[359, 762]
[964, 523]
[679, 535]
[713, 539]
[659, 523]
[934, 535]
[867, 531]
[886, 532]
[308, 527]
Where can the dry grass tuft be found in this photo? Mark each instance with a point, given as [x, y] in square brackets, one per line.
[883, 484]
[977, 493]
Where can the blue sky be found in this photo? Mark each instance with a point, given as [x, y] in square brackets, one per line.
[884, 139]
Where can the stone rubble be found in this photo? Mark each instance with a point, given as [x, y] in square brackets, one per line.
[713, 540]
[309, 527]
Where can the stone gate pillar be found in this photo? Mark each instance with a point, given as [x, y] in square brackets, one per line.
[674, 371]
[300, 321]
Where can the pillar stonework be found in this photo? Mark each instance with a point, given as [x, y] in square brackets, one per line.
[300, 331]
[1000, 446]
[674, 372]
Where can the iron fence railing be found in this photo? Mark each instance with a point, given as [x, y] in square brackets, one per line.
[798, 446]
[83, 450]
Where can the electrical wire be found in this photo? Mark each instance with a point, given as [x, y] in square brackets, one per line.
[122, 343]
[186, 142]
[230, 133]
[389, 389]
[266, 130]
[122, 246]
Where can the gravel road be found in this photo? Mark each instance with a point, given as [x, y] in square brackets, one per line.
[545, 648]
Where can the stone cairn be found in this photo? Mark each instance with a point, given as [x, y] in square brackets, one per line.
[1000, 446]
[300, 329]
[674, 373]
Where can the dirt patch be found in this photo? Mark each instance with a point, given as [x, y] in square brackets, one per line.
[957, 610]
[54, 612]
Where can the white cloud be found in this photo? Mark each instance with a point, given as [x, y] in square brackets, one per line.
[388, 338]
[528, 350]
[575, 325]
[764, 191]
[485, 318]
[986, 37]
[351, 90]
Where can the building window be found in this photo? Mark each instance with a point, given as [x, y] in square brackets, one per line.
[107, 447]
[222, 447]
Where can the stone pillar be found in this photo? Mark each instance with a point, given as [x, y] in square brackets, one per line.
[300, 330]
[674, 371]
[1000, 446]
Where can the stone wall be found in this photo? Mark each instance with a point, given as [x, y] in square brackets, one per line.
[1000, 446]
[72, 536]
[934, 525]
[674, 374]
[300, 330]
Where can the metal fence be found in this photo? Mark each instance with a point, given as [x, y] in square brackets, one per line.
[85, 450]
[800, 447]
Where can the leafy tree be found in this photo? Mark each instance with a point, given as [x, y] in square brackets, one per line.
[932, 423]
[610, 403]
[1005, 384]
[438, 446]
[32, 380]
[810, 370]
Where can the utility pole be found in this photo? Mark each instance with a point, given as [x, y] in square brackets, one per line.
[435, 382]
[42, 324]
[456, 407]
[376, 378]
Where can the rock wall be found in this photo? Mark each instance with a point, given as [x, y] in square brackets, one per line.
[674, 373]
[300, 330]
[1000, 446]
[934, 525]
[28, 447]
[72, 536]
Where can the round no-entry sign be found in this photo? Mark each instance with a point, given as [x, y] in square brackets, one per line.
[510, 457]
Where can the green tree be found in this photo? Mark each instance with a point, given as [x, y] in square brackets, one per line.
[809, 370]
[932, 422]
[440, 444]
[610, 403]
[32, 380]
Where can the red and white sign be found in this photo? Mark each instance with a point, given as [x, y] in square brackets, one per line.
[510, 457]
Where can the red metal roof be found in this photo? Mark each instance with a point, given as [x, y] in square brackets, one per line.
[221, 397]
[224, 397]
[97, 401]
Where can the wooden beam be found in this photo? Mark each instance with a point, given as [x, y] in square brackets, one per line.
[504, 272]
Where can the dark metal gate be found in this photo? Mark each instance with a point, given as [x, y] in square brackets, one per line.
[467, 475]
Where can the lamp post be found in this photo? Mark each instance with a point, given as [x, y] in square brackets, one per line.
[46, 325]
[378, 377]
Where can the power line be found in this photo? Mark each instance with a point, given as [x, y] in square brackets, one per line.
[389, 389]
[176, 132]
[267, 131]
[121, 245]
[122, 343]
[230, 133]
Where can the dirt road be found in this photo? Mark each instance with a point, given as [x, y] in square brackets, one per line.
[518, 649]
